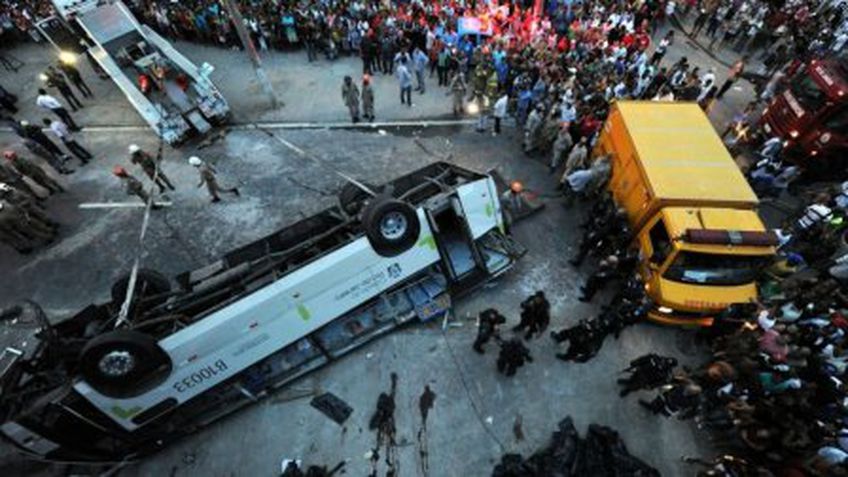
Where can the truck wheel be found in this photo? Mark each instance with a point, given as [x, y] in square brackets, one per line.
[352, 198]
[391, 225]
[123, 363]
[148, 283]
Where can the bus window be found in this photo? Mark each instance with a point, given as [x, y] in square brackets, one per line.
[809, 94]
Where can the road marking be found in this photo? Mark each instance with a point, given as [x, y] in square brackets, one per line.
[120, 205]
[305, 125]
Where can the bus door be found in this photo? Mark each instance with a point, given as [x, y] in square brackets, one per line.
[461, 259]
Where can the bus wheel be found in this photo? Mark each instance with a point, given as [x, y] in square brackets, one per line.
[391, 225]
[148, 283]
[352, 198]
[124, 363]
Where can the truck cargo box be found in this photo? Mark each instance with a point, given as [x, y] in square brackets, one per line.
[668, 154]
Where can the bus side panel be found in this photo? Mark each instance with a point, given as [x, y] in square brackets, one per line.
[237, 336]
[627, 183]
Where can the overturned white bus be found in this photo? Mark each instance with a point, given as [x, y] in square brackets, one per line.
[217, 338]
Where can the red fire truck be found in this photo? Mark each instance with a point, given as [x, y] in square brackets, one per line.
[811, 115]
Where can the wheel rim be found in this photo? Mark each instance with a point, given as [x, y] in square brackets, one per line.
[393, 225]
[116, 363]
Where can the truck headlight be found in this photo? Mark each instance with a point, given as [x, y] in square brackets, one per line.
[665, 310]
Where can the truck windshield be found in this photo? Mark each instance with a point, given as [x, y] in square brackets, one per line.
[809, 94]
[712, 269]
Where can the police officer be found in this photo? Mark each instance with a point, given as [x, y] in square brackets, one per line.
[74, 75]
[56, 80]
[512, 356]
[133, 186]
[34, 133]
[680, 398]
[647, 372]
[35, 173]
[489, 320]
[535, 315]
[148, 165]
[207, 176]
[584, 341]
[618, 265]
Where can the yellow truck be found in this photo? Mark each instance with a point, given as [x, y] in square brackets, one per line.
[692, 213]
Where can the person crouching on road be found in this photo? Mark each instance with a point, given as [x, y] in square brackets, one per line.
[207, 176]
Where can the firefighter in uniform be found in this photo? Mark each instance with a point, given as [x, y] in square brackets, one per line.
[133, 186]
[18, 222]
[11, 176]
[148, 165]
[26, 203]
[31, 170]
[207, 176]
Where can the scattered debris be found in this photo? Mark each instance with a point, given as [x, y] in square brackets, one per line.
[381, 132]
[601, 454]
[369, 355]
[292, 394]
[332, 406]
[292, 468]
[490, 420]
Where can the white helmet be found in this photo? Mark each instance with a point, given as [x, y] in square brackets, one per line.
[134, 148]
[5, 187]
[195, 161]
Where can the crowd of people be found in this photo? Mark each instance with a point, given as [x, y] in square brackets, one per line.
[772, 395]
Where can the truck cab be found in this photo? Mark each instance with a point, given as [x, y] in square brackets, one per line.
[693, 215]
[811, 115]
[695, 267]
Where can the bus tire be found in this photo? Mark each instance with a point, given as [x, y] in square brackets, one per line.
[148, 283]
[123, 363]
[391, 225]
[352, 198]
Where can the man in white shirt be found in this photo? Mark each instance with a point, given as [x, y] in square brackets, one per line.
[48, 102]
[499, 112]
[60, 130]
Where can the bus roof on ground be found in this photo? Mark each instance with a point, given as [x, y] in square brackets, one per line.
[681, 153]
